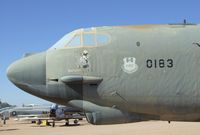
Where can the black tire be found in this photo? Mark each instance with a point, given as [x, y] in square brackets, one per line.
[67, 123]
[75, 121]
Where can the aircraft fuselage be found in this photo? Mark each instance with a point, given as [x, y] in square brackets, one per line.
[152, 70]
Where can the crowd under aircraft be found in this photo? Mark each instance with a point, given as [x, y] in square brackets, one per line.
[119, 74]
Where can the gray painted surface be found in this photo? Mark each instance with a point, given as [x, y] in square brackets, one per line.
[147, 72]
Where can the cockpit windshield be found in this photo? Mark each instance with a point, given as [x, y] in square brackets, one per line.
[82, 37]
[63, 41]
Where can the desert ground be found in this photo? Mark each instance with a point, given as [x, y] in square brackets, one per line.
[140, 128]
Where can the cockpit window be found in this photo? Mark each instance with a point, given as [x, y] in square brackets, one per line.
[89, 40]
[63, 41]
[82, 37]
[102, 39]
[76, 41]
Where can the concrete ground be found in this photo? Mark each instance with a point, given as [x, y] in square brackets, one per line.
[139, 128]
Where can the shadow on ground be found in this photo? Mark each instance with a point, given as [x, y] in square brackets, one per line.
[8, 129]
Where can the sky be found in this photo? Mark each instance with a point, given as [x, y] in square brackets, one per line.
[35, 25]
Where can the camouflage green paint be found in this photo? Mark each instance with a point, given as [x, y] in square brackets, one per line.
[150, 71]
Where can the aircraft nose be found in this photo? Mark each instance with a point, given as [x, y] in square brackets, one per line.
[12, 72]
[28, 70]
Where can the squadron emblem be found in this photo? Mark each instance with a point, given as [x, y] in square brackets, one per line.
[130, 65]
[84, 59]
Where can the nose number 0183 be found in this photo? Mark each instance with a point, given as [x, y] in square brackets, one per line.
[159, 63]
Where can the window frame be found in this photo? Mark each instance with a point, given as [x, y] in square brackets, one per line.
[107, 36]
[81, 32]
[74, 36]
[94, 31]
[95, 41]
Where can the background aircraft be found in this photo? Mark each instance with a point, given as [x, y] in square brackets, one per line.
[25, 111]
[58, 113]
[119, 74]
[35, 113]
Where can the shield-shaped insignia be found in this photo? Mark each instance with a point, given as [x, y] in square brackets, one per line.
[130, 65]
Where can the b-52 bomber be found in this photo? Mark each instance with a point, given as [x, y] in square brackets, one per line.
[119, 74]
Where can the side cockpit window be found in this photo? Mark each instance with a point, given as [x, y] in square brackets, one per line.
[95, 39]
[76, 41]
[89, 40]
[102, 39]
